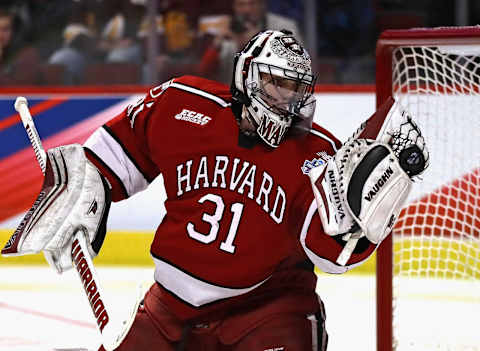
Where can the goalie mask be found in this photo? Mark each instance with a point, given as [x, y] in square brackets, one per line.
[273, 79]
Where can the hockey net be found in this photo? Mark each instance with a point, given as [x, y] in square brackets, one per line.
[428, 272]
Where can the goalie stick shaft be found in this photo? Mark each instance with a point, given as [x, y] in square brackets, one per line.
[21, 106]
[80, 258]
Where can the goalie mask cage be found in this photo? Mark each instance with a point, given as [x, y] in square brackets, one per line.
[428, 270]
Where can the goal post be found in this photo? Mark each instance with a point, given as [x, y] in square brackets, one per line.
[428, 270]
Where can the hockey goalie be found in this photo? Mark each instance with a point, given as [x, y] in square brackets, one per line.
[257, 196]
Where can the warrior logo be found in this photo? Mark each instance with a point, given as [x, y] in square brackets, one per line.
[89, 285]
[336, 196]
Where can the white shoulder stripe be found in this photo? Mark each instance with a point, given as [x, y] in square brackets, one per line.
[111, 152]
[190, 289]
[192, 90]
[323, 136]
[321, 263]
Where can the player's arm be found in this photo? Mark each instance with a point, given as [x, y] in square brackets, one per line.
[360, 191]
[120, 148]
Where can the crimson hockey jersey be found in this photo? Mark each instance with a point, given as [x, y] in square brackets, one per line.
[241, 220]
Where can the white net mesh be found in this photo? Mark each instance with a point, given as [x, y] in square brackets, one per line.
[436, 284]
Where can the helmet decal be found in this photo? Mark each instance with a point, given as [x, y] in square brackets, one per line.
[287, 47]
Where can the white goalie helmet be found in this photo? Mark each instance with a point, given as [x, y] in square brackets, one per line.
[273, 79]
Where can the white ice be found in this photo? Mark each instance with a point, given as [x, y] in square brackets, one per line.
[41, 310]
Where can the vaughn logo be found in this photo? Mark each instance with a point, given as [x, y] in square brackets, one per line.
[316, 162]
[379, 184]
[193, 117]
[336, 196]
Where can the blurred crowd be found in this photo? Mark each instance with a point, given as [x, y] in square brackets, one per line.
[90, 42]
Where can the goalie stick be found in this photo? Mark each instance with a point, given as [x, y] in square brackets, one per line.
[80, 258]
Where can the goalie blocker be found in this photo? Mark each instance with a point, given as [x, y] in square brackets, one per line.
[362, 189]
[74, 196]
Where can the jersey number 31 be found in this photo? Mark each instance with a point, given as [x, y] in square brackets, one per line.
[214, 221]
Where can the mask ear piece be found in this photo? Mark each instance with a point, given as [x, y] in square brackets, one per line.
[237, 94]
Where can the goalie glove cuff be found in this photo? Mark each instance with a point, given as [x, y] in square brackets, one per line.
[330, 198]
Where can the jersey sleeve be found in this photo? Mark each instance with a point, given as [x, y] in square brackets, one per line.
[323, 250]
[119, 149]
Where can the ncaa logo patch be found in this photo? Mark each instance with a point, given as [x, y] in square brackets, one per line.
[308, 165]
[193, 117]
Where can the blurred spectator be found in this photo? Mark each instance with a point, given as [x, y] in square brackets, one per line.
[21, 17]
[118, 39]
[6, 33]
[346, 39]
[76, 52]
[346, 27]
[179, 49]
[76, 49]
[288, 8]
[17, 63]
[249, 17]
[45, 21]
